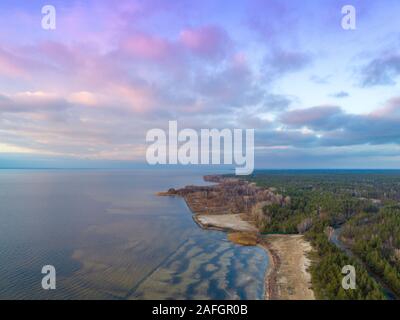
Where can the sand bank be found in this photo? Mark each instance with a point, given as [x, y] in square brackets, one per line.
[288, 277]
[226, 222]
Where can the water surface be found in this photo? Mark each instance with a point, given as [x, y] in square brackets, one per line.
[110, 237]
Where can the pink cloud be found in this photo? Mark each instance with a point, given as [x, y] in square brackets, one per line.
[389, 110]
[148, 47]
[309, 116]
[10, 65]
[209, 41]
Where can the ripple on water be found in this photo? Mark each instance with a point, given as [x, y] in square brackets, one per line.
[110, 237]
[208, 267]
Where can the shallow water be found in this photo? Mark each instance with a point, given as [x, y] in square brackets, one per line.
[110, 237]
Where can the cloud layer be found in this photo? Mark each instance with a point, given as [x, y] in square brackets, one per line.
[110, 72]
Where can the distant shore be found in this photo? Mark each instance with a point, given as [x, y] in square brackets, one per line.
[287, 276]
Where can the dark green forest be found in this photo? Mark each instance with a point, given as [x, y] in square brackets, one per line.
[363, 207]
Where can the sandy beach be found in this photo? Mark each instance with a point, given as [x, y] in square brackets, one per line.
[288, 277]
[225, 222]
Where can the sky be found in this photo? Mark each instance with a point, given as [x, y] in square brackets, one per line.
[317, 95]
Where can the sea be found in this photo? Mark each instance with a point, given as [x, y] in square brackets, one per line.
[109, 236]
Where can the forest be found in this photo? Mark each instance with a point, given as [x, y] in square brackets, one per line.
[362, 206]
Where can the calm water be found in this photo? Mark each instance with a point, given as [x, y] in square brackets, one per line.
[110, 237]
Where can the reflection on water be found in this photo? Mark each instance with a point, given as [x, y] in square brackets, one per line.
[110, 237]
[205, 267]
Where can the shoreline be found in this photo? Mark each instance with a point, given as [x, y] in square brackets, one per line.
[286, 277]
[270, 283]
[270, 291]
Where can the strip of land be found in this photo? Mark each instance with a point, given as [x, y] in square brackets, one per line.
[232, 205]
[225, 222]
[288, 277]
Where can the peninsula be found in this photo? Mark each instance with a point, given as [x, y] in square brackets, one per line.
[234, 206]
